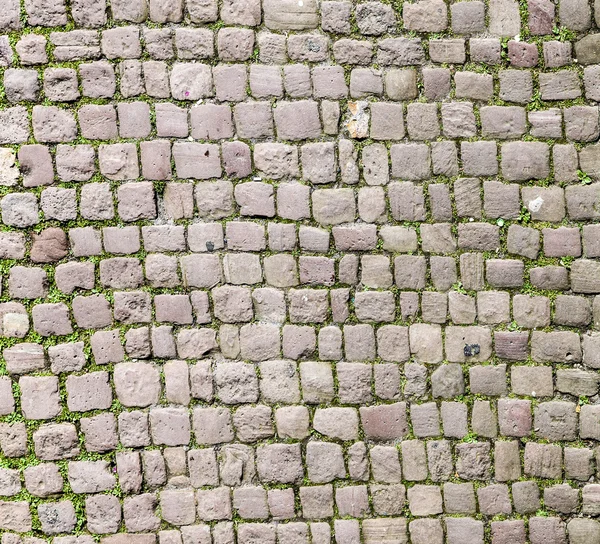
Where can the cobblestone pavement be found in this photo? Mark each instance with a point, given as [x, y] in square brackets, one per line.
[299, 271]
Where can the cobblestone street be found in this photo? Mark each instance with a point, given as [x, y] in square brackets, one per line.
[299, 272]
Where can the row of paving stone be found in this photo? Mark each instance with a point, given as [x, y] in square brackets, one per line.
[465, 198]
[371, 271]
[138, 384]
[300, 120]
[552, 420]
[235, 304]
[394, 344]
[384, 378]
[407, 202]
[178, 501]
[232, 304]
[239, 45]
[259, 423]
[185, 471]
[281, 162]
[347, 531]
[254, 120]
[281, 271]
[235, 82]
[137, 201]
[338, 17]
[402, 201]
[200, 468]
[191, 43]
[322, 163]
[314, 462]
[206, 270]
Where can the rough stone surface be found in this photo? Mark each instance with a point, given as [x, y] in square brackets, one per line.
[299, 271]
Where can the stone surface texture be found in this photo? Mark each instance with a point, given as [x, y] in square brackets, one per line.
[299, 272]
